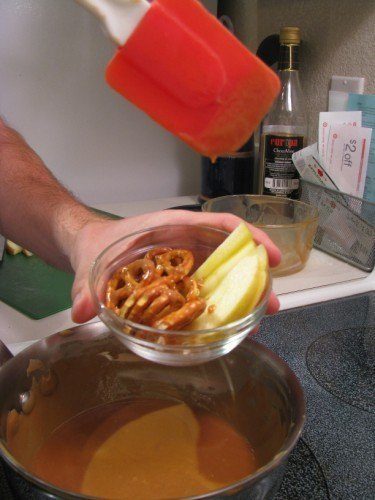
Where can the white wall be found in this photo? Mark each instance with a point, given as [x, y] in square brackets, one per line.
[338, 39]
[52, 60]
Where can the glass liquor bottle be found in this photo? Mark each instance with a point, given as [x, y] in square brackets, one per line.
[284, 130]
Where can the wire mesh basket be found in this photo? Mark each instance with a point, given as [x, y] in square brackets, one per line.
[346, 226]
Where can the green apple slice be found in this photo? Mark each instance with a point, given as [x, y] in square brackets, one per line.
[236, 240]
[219, 274]
[263, 257]
[262, 279]
[12, 248]
[232, 296]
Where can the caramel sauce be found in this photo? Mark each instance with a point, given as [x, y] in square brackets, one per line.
[211, 309]
[144, 449]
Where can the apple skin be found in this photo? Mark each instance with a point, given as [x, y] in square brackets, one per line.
[232, 244]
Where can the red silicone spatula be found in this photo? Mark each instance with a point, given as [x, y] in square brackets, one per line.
[177, 63]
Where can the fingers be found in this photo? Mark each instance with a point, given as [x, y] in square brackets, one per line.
[254, 331]
[273, 304]
[83, 308]
[227, 222]
[272, 308]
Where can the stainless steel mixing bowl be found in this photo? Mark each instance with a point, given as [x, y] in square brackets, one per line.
[75, 370]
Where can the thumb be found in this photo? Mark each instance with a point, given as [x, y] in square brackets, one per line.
[83, 307]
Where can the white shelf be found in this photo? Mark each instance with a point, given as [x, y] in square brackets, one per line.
[321, 271]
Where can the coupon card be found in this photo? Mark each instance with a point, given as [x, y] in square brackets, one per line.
[347, 157]
[329, 118]
[310, 166]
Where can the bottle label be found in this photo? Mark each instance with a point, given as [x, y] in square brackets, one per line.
[280, 175]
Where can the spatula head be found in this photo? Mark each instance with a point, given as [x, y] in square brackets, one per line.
[193, 77]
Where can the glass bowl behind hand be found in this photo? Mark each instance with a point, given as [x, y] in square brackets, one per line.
[180, 347]
[290, 224]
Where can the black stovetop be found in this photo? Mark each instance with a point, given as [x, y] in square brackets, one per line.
[331, 348]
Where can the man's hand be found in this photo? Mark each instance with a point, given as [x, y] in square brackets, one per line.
[98, 234]
[37, 212]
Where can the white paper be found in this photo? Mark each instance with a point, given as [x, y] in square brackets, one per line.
[329, 118]
[347, 157]
[310, 167]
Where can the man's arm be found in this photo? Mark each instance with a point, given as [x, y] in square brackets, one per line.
[41, 215]
[36, 211]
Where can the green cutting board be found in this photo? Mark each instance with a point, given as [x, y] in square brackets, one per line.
[34, 288]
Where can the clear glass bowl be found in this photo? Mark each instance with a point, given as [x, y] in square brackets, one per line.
[177, 348]
[290, 224]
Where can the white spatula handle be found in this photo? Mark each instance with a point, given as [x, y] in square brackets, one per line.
[119, 17]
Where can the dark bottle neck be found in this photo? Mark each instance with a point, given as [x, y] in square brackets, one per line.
[289, 57]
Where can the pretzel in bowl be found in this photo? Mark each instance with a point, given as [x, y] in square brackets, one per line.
[157, 290]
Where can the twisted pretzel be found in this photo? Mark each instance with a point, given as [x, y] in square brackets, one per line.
[151, 254]
[165, 282]
[156, 290]
[139, 272]
[188, 288]
[152, 302]
[127, 279]
[176, 262]
[117, 290]
[182, 317]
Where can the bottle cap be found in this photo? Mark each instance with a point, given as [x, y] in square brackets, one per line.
[290, 35]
